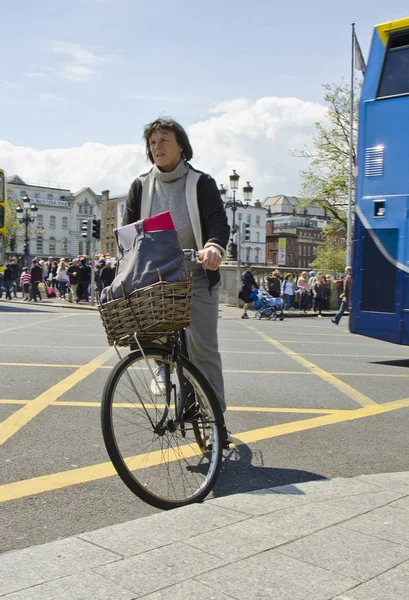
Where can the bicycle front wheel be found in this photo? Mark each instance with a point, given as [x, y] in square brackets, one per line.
[167, 464]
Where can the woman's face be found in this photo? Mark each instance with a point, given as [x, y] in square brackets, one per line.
[165, 150]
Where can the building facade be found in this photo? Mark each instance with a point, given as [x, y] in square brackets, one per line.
[110, 221]
[293, 235]
[254, 249]
[56, 231]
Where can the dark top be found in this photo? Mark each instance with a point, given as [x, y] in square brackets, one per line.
[320, 290]
[85, 273]
[274, 285]
[247, 284]
[213, 219]
[70, 272]
[36, 274]
[347, 287]
[107, 275]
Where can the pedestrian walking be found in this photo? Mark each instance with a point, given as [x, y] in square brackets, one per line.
[73, 273]
[36, 273]
[319, 292]
[303, 287]
[345, 296]
[25, 280]
[62, 278]
[248, 283]
[288, 291]
[8, 280]
[273, 283]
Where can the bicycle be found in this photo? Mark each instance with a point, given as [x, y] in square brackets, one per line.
[163, 436]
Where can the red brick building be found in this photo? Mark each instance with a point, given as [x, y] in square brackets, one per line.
[292, 234]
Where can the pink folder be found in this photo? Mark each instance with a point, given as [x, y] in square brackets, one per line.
[161, 222]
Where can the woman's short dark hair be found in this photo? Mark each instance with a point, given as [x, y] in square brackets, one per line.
[168, 124]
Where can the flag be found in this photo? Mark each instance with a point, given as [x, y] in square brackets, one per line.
[359, 58]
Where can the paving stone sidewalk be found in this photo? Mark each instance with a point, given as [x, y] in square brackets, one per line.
[344, 539]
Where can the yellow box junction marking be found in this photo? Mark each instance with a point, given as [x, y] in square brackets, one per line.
[24, 415]
[346, 389]
[55, 481]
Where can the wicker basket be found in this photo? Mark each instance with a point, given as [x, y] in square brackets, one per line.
[149, 312]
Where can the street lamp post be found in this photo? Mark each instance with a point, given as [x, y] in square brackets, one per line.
[234, 205]
[26, 214]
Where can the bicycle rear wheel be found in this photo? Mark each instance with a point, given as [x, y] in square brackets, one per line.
[165, 463]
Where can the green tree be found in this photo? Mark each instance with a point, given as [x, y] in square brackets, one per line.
[13, 227]
[330, 255]
[325, 182]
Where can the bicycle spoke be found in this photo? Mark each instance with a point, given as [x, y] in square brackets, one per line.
[171, 464]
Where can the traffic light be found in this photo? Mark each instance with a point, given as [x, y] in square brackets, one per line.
[86, 228]
[12, 244]
[96, 228]
[245, 232]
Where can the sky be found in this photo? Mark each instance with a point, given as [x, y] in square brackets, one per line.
[79, 79]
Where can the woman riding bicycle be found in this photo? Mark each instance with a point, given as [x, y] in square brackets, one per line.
[197, 210]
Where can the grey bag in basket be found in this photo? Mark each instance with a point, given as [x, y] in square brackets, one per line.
[149, 253]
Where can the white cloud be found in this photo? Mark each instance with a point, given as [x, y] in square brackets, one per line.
[253, 137]
[81, 61]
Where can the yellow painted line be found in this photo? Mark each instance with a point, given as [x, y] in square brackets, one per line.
[49, 365]
[24, 415]
[56, 481]
[266, 409]
[14, 401]
[255, 435]
[48, 320]
[343, 387]
[258, 353]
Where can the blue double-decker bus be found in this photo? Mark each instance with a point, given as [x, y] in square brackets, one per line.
[380, 289]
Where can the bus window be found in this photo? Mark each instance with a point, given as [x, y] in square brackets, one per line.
[376, 264]
[395, 73]
[1, 217]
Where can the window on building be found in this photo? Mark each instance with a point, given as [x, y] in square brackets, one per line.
[249, 219]
[39, 220]
[257, 255]
[39, 245]
[37, 195]
[257, 236]
[51, 245]
[80, 208]
[258, 220]
[300, 250]
[123, 209]
[86, 206]
[240, 216]
[52, 222]
[49, 196]
[65, 222]
[22, 194]
[248, 254]
[64, 246]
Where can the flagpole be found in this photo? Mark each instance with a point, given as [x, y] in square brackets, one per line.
[351, 152]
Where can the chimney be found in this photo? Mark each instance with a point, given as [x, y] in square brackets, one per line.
[257, 204]
[105, 195]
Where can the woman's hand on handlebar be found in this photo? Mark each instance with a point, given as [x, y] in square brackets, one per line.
[210, 258]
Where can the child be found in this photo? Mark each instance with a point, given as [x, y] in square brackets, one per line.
[25, 280]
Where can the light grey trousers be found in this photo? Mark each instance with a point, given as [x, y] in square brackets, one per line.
[202, 339]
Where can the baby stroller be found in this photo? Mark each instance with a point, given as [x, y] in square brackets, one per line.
[266, 306]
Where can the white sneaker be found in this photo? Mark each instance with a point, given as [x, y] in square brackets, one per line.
[320, 316]
[158, 385]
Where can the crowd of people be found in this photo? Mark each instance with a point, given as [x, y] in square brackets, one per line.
[309, 291]
[67, 279]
